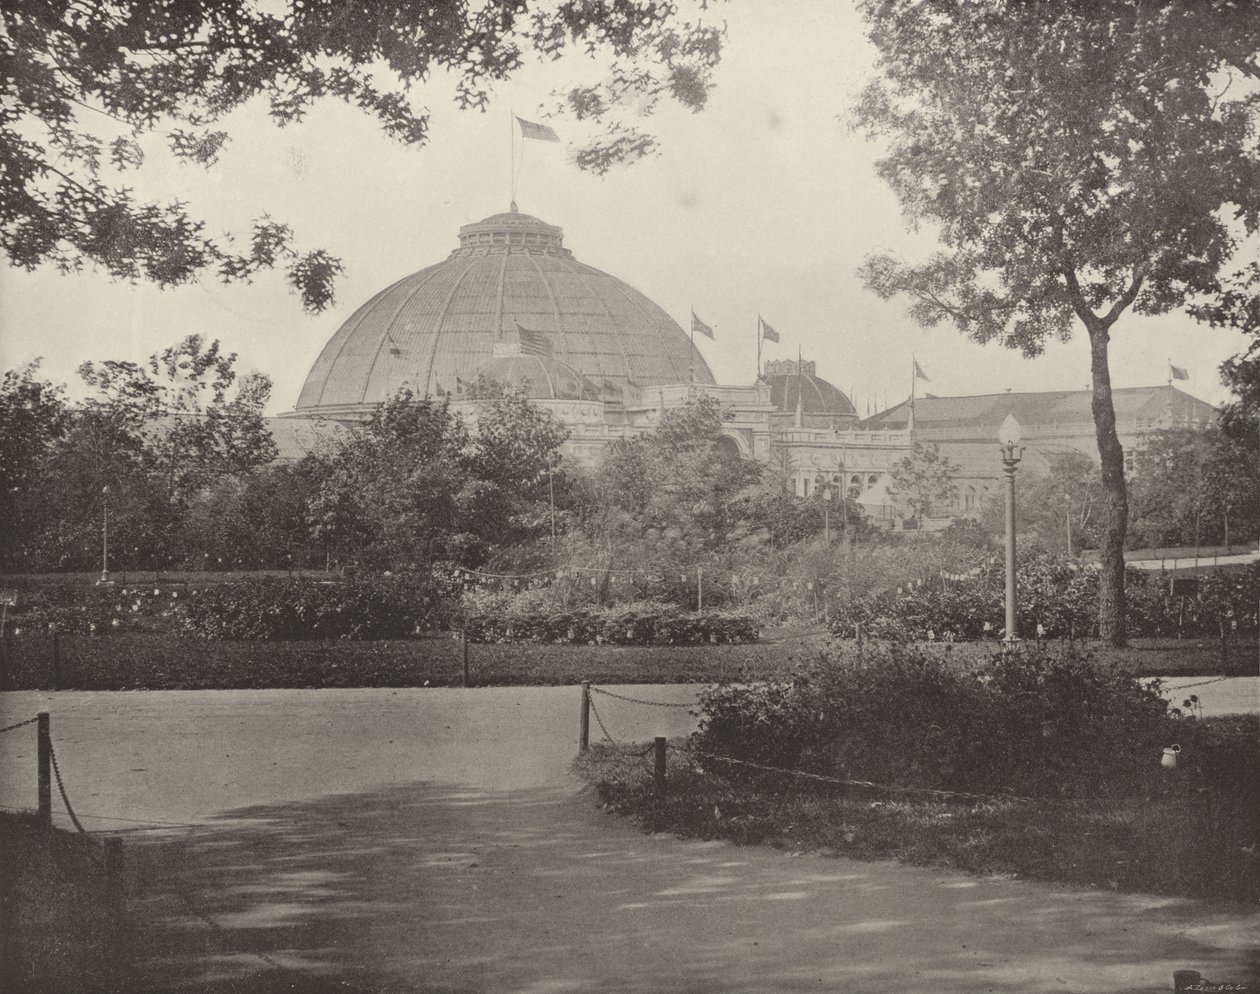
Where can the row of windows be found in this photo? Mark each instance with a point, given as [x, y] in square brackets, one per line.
[805, 486]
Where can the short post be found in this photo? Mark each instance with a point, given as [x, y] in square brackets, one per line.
[658, 766]
[463, 636]
[858, 630]
[56, 661]
[699, 588]
[45, 769]
[584, 723]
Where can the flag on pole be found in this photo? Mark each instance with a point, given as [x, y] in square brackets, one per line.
[918, 371]
[394, 350]
[533, 342]
[539, 132]
[768, 333]
[699, 326]
[1178, 373]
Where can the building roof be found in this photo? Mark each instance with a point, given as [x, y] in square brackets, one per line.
[439, 325]
[793, 380]
[1136, 408]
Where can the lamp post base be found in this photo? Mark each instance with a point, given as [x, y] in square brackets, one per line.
[105, 580]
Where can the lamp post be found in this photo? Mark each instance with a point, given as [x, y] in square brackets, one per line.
[827, 513]
[104, 580]
[1009, 435]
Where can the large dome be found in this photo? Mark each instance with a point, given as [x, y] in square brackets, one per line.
[434, 329]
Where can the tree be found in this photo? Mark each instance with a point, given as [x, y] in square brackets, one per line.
[89, 87]
[1078, 161]
[186, 416]
[34, 417]
[1193, 485]
[924, 478]
[1070, 492]
[415, 484]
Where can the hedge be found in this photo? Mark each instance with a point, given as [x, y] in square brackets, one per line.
[622, 628]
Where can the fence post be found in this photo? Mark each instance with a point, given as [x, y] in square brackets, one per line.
[45, 769]
[463, 633]
[584, 723]
[658, 766]
[699, 588]
[858, 628]
[56, 661]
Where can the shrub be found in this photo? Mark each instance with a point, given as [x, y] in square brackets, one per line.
[644, 624]
[1058, 598]
[1045, 724]
[75, 609]
[277, 608]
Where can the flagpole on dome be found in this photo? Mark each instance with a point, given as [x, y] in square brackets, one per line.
[512, 159]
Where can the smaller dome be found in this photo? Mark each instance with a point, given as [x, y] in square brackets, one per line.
[790, 380]
[538, 377]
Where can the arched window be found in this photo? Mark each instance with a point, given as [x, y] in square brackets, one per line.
[872, 479]
[969, 500]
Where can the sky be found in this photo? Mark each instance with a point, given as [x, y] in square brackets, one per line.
[764, 203]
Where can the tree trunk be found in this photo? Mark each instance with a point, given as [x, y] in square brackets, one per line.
[1115, 502]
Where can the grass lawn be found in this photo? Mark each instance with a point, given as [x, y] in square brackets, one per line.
[154, 661]
[1184, 840]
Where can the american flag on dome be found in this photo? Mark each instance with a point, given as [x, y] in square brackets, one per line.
[534, 342]
[539, 132]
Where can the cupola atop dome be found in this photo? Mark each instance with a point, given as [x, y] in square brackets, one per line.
[439, 326]
[512, 231]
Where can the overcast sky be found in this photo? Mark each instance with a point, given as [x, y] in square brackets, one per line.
[765, 202]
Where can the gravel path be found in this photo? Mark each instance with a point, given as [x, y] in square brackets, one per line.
[417, 840]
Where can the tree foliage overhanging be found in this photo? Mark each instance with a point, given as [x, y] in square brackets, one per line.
[89, 89]
[1076, 161]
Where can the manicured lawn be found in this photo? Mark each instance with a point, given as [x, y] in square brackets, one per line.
[153, 661]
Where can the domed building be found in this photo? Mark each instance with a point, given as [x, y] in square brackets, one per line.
[511, 307]
[431, 331]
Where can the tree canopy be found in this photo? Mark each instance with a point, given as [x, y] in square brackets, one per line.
[90, 89]
[1076, 161]
[924, 479]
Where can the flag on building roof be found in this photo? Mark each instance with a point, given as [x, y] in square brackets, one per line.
[539, 132]
[394, 350]
[534, 342]
[699, 326]
[1178, 373]
[768, 333]
[918, 371]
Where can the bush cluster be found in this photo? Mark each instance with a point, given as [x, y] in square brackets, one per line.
[615, 627]
[272, 608]
[72, 609]
[1032, 723]
[1058, 598]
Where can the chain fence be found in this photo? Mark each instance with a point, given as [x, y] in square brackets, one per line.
[20, 724]
[639, 700]
[872, 785]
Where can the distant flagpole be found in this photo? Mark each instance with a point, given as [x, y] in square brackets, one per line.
[512, 158]
[691, 356]
[758, 347]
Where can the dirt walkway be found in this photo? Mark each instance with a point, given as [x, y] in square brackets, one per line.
[434, 888]
[360, 844]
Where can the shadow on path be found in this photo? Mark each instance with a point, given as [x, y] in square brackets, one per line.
[440, 888]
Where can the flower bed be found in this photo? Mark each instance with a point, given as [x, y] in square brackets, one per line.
[379, 607]
[614, 628]
[1058, 598]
